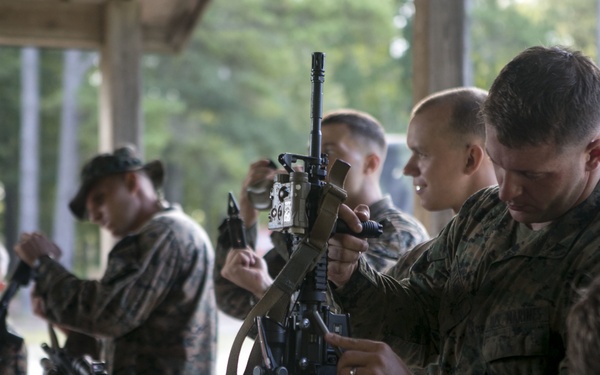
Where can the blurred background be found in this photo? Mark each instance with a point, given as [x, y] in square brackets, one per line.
[238, 90]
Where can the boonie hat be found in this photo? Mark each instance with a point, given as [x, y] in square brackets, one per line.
[123, 159]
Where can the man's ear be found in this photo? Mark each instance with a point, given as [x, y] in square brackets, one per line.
[372, 163]
[2, 285]
[475, 155]
[131, 181]
[593, 155]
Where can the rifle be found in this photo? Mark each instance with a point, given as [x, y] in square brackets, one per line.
[290, 334]
[59, 362]
[235, 224]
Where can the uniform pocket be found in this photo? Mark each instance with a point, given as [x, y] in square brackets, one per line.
[516, 333]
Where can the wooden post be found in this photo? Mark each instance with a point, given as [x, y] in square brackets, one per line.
[438, 63]
[120, 113]
[120, 91]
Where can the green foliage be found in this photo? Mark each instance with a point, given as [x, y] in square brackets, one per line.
[10, 117]
[9, 141]
[241, 90]
[9, 113]
[574, 23]
[499, 31]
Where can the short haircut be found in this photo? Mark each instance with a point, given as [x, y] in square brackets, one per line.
[583, 327]
[545, 95]
[360, 124]
[465, 105]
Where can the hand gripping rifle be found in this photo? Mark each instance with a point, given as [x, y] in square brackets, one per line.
[290, 334]
[59, 362]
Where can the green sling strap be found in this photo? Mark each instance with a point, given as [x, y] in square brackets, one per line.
[303, 259]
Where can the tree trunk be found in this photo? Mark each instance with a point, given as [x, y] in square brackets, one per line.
[63, 233]
[30, 129]
[29, 155]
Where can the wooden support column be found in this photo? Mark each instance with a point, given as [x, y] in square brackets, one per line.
[120, 91]
[120, 113]
[439, 50]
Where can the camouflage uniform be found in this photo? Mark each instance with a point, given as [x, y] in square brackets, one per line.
[13, 358]
[401, 269]
[155, 304]
[497, 293]
[401, 232]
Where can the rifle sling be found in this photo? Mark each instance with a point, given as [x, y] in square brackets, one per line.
[303, 259]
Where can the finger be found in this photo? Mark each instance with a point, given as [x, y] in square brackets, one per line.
[348, 343]
[248, 260]
[18, 250]
[260, 174]
[252, 176]
[55, 251]
[349, 242]
[35, 239]
[362, 363]
[344, 247]
[25, 236]
[363, 212]
[343, 254]
[261, 169]
[347, 215]
[245, 259]
[260, 163]
[340, 255]
[236, 260]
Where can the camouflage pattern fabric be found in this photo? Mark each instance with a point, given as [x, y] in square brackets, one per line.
[154, 307]
[401, 269]
[13, 359]
[497, 293]
[401, 232]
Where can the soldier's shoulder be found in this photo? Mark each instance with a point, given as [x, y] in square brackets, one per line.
[482, 203]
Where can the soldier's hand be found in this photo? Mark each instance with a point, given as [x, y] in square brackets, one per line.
[258, 172]
[34, 245]
[247, 270]
[344, 249]
[366, 357]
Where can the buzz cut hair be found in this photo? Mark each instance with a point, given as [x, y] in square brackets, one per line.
[465, 107]
[360, 124]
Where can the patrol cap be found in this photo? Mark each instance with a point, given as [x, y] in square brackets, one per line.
[123, 159]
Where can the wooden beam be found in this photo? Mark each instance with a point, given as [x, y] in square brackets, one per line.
[166, 24]
[50, 24]
[182, 24]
